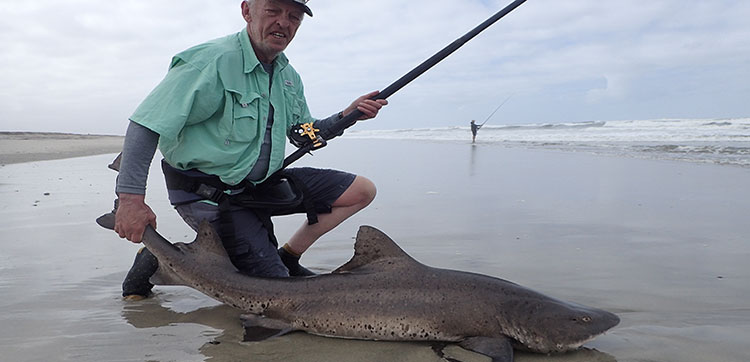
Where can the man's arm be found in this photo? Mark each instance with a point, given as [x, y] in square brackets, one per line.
[364, 104]
[132, 212]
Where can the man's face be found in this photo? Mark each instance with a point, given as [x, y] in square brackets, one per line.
[272, 25]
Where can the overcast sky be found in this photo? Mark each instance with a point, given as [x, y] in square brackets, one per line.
[84, 65]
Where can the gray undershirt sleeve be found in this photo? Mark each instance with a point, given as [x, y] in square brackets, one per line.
[140, 146]
[325, 124]
[137, 153]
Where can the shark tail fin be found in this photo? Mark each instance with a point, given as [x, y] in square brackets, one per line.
[107, 221]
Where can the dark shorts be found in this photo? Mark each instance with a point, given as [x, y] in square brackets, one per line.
[247, 240]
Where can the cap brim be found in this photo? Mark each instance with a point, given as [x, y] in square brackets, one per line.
[303, 6]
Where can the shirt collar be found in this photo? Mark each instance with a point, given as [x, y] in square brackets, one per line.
[251, 60]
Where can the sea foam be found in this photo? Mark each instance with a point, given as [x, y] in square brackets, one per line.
[720, 141]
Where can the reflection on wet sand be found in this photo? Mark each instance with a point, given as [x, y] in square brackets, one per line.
[227, 345]
[662, 244]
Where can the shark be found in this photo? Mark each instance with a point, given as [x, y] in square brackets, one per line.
[382, 293]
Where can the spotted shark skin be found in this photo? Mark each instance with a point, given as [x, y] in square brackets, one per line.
[383, 294]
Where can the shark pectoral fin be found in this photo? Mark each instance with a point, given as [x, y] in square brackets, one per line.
[439, 348]
[259, 328]
[498, 348]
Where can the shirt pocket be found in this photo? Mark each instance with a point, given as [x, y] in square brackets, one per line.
[293, 105]
[246, 119]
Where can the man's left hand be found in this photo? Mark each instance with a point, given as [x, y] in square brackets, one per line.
[367, 106]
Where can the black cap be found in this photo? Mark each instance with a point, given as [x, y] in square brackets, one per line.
[304, 5]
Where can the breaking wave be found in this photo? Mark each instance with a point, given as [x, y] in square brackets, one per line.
[720, 141]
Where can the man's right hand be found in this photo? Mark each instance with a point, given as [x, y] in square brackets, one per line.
[132, 217]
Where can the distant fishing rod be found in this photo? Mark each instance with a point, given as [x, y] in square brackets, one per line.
[496, 109]
[350, 119]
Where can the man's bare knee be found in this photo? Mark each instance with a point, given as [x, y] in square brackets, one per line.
[361, 192]
[367, 190]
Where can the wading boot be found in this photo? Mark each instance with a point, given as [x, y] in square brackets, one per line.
[136, 285]
[291, 262]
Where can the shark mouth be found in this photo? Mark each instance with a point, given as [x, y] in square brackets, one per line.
[541, 346]
[577, 345]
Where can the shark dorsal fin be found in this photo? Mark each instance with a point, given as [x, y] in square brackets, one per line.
[207, 239]
[375, 251]
[206, 249]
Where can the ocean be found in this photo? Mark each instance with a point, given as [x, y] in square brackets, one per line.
[718, 141]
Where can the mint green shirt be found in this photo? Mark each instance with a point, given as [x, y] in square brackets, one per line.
[211, 109]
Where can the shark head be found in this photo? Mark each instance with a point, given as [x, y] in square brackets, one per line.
[535, 321]
[548, 325]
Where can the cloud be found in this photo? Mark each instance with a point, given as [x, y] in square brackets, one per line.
[84, 66]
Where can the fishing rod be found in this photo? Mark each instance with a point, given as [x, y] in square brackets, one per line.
[350, 119]
[496, 109]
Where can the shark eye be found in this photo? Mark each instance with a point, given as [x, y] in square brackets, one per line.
[586, 319]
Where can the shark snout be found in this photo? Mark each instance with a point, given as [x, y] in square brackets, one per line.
[566, 326]
[594, 321]
[609, 320]
[590, 323]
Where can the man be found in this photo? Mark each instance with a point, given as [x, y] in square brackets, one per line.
[221, 117]
[474, 128]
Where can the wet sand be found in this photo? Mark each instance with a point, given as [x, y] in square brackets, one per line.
[662, 244]
[17, 147]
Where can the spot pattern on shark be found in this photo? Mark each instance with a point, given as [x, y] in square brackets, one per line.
[382, 293]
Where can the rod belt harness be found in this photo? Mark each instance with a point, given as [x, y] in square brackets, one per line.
[282, 194]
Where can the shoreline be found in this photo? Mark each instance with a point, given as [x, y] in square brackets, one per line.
[21, 147]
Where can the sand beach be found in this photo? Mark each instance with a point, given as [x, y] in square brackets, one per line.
[664, 244]
[16, 147]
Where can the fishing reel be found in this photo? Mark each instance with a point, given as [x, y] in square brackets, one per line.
[304, 134]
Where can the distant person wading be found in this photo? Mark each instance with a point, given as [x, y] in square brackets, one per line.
[474, 128]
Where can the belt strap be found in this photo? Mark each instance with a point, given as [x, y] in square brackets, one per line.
[210, 187]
